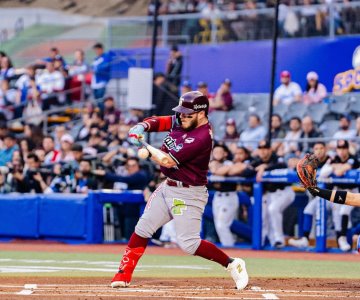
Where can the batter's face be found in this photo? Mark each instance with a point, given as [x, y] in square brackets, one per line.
[189, 121]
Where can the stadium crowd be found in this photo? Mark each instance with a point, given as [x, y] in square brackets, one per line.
[296, 18]
[94, 153]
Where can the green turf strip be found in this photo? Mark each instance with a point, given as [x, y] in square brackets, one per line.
[173, 266]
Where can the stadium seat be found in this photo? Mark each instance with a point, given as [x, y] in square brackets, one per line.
[329, 127]
[240, 117]
[317, 112]
[218, 119]
[354, 106]
[241, 101]
[338, 104]
[296, 109]
[280, 109]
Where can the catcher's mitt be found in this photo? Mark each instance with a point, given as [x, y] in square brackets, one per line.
[306, 170]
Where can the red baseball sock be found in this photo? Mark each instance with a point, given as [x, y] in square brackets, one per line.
[211, 252]
[137, 241]
[133, 253]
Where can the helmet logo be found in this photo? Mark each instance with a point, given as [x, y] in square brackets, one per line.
[198, 106]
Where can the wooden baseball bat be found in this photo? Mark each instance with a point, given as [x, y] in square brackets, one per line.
[158, 154]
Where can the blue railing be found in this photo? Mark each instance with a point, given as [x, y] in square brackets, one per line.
[79, 218]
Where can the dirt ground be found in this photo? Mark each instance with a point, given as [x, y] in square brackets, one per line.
[40, 287]
[181, 288]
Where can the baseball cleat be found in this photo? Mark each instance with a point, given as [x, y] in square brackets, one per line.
[120, 280]
[238, 272]
[343, 244]
[300, 243]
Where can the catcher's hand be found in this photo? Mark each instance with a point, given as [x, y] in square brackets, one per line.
[306, 170]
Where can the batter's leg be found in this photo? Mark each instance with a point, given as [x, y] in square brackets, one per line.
[187, 207]
[155, 215]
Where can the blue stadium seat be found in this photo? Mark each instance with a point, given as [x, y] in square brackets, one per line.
[240, 117]
[217, 120]
[354, 106]
[280, 109]
[241, 101]
[338, 104]
[329, 127]
[317, 111]
[296, 109]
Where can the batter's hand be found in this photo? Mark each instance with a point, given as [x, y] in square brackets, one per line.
[136, 133]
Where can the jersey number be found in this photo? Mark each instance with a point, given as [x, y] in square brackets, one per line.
[178, 207]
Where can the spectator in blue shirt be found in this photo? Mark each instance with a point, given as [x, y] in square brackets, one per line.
[101, 69]
[10, 146]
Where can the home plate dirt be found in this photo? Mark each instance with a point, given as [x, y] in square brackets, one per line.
[181, 288]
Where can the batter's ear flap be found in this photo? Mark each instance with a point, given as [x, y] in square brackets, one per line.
[177, 119]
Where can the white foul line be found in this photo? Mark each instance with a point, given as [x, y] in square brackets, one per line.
[270, 296]
[28, 289]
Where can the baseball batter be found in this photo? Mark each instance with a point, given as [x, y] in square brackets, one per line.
[183, 195]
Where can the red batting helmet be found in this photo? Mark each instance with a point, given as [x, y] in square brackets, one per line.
[192, 102]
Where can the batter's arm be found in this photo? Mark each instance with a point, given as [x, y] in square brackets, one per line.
[170, 162]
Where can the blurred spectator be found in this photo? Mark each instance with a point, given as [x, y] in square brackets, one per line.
[308, 131]
[255, 132]
[223, 99]
[60, 130]
[319, 149]
[85, 180]
[50, 83]
[79, 65]
[210, 10]
[7, 69]
[202, 87]
[78, 154]
[277, 196]
[9, 147]
[33, 180]
[290, 144]
[26, 147]
[338, 166]
[231, 133]
[65, 151]
[288, 92]
[23, 82]
[174, 66]
[54, 54]
[111, 114]
[315, 91]
[242, 158]
[344, 131]
[34, 133]
[165, 97]
[185, 87]
[225, 204]
[7, 99]
[277, 131]
[51, 154]
[101, 67]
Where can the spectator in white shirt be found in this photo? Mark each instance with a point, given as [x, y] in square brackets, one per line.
[250, 137]
[50, 82]
[315, 91]
[288, 92]
[290, 144]
[344, 132]
[6, 68]
[79, 65]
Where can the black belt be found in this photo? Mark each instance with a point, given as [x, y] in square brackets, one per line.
[176, 183]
